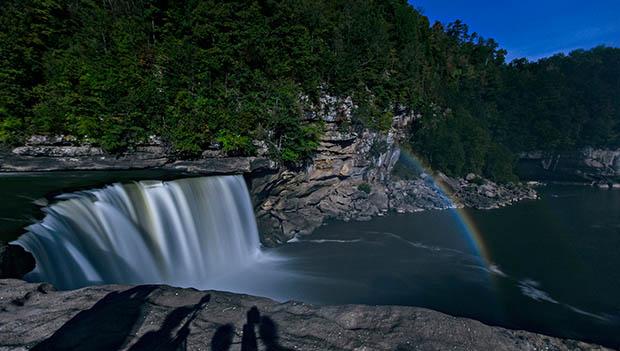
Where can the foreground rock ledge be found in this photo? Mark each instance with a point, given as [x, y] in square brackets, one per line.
[35, 316]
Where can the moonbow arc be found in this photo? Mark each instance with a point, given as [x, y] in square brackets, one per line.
[460, 215]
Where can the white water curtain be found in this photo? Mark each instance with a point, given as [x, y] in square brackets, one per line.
[183, 233]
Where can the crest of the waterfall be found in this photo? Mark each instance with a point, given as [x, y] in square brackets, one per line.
[185, 233]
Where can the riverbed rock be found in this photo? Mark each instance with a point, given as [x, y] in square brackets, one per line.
[148, 317]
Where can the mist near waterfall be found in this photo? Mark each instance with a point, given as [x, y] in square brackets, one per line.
[190, 233]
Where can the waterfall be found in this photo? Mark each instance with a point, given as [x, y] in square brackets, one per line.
[184, 233]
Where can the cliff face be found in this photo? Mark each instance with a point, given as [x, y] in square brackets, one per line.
[587, 165]
[36, 317]
[346, 179]
[349, 178]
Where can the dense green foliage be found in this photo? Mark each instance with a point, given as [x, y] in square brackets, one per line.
[196, 72]
[487, 111]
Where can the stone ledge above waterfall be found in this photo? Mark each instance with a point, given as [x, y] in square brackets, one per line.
[64, 153]
[102, 317]
[73, 158]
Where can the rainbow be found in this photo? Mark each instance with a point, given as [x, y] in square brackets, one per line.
[461, 216]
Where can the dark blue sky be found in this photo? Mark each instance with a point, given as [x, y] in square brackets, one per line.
[533, 28]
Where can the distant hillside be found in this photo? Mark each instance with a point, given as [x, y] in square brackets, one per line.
[114, 72]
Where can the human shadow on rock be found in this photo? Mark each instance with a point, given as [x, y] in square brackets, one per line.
[105, 326]
[248, 340]
[172, 336]
[223, 338]
[267, 329]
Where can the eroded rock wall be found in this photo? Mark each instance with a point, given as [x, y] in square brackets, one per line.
[585, 165]
[346, 179]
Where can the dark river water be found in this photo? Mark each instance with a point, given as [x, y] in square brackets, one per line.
[553, 265]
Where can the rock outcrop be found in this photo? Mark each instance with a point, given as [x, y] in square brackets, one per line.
[53, 154]
[36, 317]
[346, 179]
[350, 179]
[587, 165]
[443, 192]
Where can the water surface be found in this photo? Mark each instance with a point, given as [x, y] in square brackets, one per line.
[553, 264]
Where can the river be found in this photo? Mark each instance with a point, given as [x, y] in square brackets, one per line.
[549, 266]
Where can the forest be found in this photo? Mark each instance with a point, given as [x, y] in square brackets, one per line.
[113, 72]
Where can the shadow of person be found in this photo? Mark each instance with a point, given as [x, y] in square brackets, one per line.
[105, 326]
[172, 336]
[223, 338]
[248, 340]
[268, 331]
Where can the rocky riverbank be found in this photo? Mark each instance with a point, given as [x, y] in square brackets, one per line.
[348, 178]
[36, 317]
[296, 206]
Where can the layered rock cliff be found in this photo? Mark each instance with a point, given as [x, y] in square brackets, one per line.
[61, 153]
[346, 178]
[36, 317]
[590, 165]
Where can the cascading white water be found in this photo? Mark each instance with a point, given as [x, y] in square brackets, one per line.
[184, 233]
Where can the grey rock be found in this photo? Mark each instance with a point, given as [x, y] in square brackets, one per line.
[151, 149]
[213, 153]
[587, 165]
[41, 140]
[221, 165]
[262, 149]
[17, 163]
[327, 187]
[63, 158]
[58, 151]
[114, 317]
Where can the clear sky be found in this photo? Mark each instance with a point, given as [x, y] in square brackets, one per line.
[533, 28]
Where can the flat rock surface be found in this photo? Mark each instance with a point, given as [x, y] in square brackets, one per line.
[56, 160]
[148, 317]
